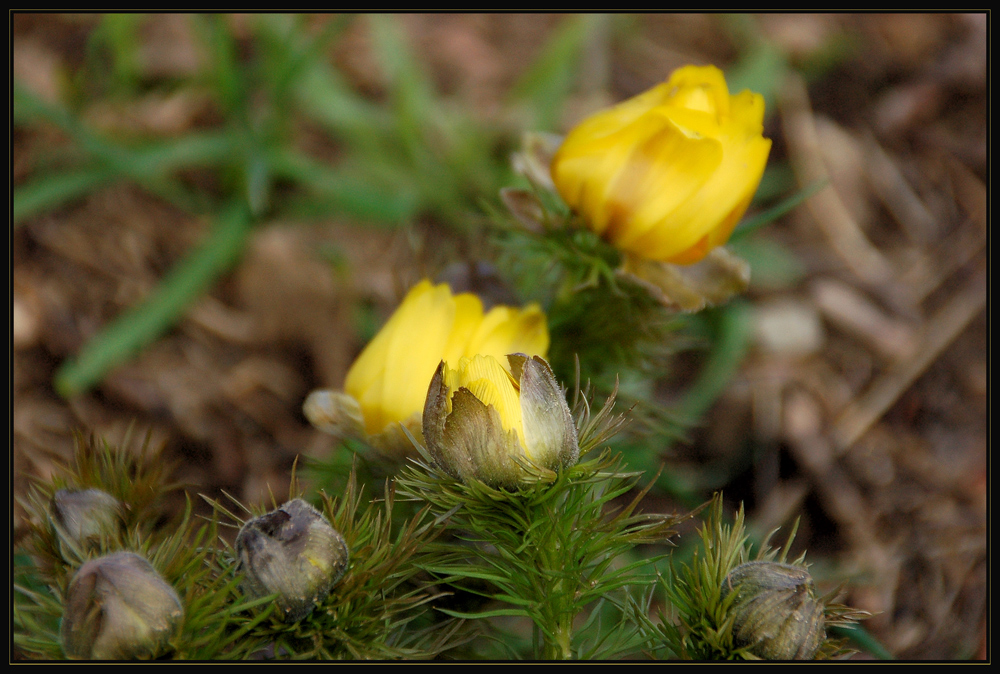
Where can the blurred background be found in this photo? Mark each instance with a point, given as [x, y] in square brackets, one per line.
[213, 214]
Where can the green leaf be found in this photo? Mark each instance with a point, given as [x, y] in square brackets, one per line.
[486, 614]
[410, 90]
[731, 339]
[347, 189]
[140, 325]
[861, 638]
[327, 98]
[775, 212]
[547, 83]
[229, 85]
[51, 191]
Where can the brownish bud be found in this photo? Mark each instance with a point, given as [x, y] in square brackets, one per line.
[119, 608]
[778, 615]
[82, 518]
[292, 552]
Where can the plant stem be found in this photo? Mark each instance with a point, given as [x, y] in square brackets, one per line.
[558, 630]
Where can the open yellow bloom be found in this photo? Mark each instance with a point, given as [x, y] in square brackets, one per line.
[387, 384]
[488, 422]
[667, 175]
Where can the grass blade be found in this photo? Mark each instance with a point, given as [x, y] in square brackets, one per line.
[52, 191]
[547, 83]
[142, 324]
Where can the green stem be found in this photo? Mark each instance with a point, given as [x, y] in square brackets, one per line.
[558, 628]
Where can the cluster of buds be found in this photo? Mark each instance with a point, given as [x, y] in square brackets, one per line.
[777, 613]
[292, 552]
[119, 608]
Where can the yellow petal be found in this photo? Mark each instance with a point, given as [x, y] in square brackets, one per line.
[699, 88]
[507, 330]
[491, 383]
[468, 318]
[389, 379]
[414, 352]
[584, 173]
[672, 159]
[614, 119]
[718, 205]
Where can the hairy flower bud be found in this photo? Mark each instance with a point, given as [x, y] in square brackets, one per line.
[668, 174]
[292, 552]
[778, 615]
[82, 518]
[119, 608]
[484, 421]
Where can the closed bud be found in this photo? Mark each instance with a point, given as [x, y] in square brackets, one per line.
[82, 518]
[489, 422]
[119, 608]
[334, 412]
[777, 613]
[292, 552]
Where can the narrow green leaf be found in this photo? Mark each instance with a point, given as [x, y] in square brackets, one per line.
[302, 54]
[142, 324]
[230, 87]
[409, 86]
[486, 614]
[547, 83]
[327, 98]
[861, 638]
[53, 190]
[347, 190]
[730, 343]
[193, 149]
[775, 212]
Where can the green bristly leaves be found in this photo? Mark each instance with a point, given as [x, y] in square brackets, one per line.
[550, 551]
[700, 624]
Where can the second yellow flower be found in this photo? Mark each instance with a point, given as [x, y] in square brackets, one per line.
[387, 384]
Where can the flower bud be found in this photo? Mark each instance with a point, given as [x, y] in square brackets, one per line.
[82, 518]
[667, 175]
[292, 552]
[487, 422]
[119, 608]
[777, 613]
[334, 412]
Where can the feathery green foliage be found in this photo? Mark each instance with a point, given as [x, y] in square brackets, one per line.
[703, 609]
[550, 550]
[376, 611]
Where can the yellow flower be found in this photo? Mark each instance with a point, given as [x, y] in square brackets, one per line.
[668, 174]
[387, 384]
[489, 422]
